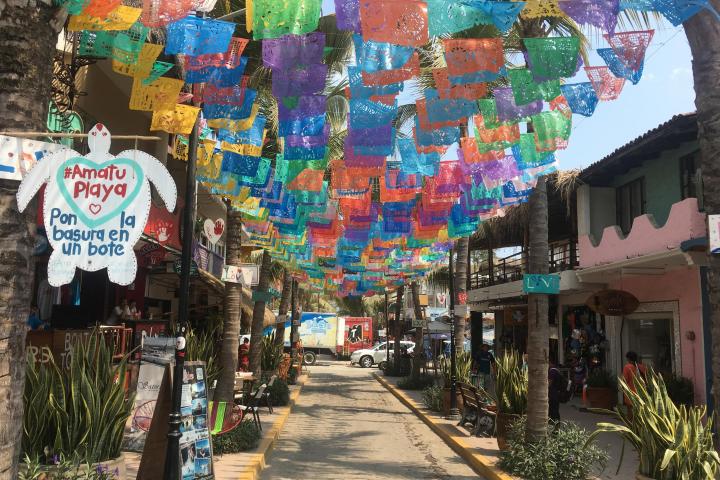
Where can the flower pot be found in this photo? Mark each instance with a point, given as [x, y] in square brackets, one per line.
[601, 397]
[503, 421]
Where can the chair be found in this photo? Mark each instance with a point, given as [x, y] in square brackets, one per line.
[223, 417]
[266, 394]
[253, 405]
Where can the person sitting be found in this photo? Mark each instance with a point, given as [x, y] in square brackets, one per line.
[119, 313]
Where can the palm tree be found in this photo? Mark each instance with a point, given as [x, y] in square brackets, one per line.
[28, 33]
[419, 353]
[703, 34]
[258, 318]
[232, 308]
[398, 330]
[283, 309]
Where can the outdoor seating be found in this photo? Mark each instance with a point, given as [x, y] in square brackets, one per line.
[475, 411]
[266, 394]
[223, 417]
[253, 405]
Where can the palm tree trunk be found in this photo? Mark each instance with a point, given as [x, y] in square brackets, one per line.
[538, 328]
[419, 351]
[283, 309]
[28, 34]
[703, 33]
[256, 332]
[224, 392]
[398, 326]
[460, 279]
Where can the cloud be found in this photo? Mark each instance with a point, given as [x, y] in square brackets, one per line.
[680, 72]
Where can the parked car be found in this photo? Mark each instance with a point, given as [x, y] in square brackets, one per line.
[368, 357]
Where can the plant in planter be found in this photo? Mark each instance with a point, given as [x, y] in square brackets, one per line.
[419, 383]
[681, 390]
[672, 442]
[511, 384]
[463, 369]
[202, 346]
[63, 469]
[79, 412]
[556, 457]
[279, 393]
[601, 389]
[433, 398]
[272, 355]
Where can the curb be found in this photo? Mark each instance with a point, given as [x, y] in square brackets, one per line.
[477, 462]
[256, 463]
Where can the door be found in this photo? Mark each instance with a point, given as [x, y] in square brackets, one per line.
[651, 336]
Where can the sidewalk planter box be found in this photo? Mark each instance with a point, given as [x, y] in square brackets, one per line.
[601, 397]
[115, 467]
[503, 421]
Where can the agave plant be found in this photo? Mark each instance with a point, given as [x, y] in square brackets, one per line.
[672, 442]
[202, 346]
[79, 411]
[272, 354]
[463, 368]
[511, 385]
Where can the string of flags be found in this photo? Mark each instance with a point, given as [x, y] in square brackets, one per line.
[387, 208]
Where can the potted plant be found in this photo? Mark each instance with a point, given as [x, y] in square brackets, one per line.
[511, 384]
[601, 389]
[463, 368]
[672, 442]
[79, 412]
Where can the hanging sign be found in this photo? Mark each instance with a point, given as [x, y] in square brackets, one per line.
[19, 155]
[539, 283]
[441, 298]
[96, 206]
[214, 229]
[714, 229]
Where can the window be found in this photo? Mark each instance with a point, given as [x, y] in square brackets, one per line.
[691, 177]
[629, 203]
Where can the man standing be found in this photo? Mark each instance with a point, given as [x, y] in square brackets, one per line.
[486, 367]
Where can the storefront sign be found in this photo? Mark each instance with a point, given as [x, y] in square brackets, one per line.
[96, 206]
[539, 283]
[163, 226]
[19, 155]
[714, 229]
[248, 274]
[195, 448]
[214, 229]
[152, 253]
[417, 322]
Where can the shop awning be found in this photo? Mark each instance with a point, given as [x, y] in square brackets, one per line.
[652, 264]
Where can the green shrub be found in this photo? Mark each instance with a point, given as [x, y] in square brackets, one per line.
[560, 456]
[201, 346]
[463, 368]
[433, 398]
[279, 393]
[78, 412]
[601, 378]
[292, 375]
[417, 383]
[272, 354]
[63, 469]
[245, 436]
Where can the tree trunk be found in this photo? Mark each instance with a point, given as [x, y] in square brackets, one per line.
[258, 319]
[419, 350]
[703, 33]
[398, 326]
[28, 34]
[460, 279]
[538, 329]
[283, 309]
[224, 392]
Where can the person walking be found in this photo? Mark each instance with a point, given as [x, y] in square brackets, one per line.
[486, 366]
[631, 370]
[556, 382]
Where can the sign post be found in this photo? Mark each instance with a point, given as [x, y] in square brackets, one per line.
[541, 283]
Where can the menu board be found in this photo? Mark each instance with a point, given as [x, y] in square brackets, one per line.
[195, 444]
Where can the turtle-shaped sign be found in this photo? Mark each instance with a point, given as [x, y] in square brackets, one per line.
[96, 206]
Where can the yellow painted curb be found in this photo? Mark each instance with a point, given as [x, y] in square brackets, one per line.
[478, 462]
[257, 462]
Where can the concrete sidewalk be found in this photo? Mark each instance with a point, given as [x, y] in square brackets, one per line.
[483, 453]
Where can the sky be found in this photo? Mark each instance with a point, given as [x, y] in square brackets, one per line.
[665, 90]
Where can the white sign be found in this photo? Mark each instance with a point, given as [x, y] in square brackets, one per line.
[96, 206]
[214, 229]
[441, 298]
[19, 155]
[714, 227]
[247, 274]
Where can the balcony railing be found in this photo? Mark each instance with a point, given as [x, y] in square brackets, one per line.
[561, 256]
[207, 260]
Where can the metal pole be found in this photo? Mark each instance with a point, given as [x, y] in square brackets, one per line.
[172, 455]
[293, 321]
[454, 412]
[387, 332]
